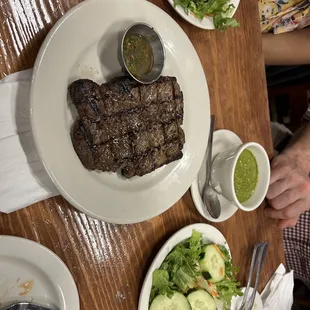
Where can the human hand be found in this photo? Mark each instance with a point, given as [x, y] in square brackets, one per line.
[289, 190]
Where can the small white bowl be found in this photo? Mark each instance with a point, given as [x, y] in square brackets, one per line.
[223, 171]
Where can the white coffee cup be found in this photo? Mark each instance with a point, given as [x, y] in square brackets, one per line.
[223, 171]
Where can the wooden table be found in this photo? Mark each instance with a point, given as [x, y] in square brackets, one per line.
[109, 262]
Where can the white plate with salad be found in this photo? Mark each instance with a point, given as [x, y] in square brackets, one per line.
[208, 14]
[192, 271]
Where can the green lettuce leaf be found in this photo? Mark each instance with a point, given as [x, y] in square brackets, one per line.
[180, 268]
[184, 278]
[182, 263]
[222, 23]
[161, 281]
[160, 284]
[194, 245]
[229, 286]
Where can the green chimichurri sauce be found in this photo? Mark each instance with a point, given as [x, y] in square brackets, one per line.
[138, 54]
[246, 176]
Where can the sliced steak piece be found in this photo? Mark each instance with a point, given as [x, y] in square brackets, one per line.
[134, 121]
[83, 147]
[118, 125]
[121, 94]
[114, 105]
[111, 155]
[167, 112]
[157, 136]
[165, 91]
[171, 131]
[85, 95]
[121, 87]
[93, 157]
[98, 132]
[106, 157]
[144, 141]
[149, 113]
[122, 148]
[179, 111]
[153, 160]
[148, 93]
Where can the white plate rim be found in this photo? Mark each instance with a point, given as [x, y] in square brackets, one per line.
[195, 163]
[207, 22]
[74, 302]
[214, 235]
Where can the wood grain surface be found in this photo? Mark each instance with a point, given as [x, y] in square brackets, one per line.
[109, 262]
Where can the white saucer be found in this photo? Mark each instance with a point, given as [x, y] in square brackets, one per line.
[222, 141]
[27, 264]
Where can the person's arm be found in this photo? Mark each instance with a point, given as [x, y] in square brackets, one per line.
[291, 48]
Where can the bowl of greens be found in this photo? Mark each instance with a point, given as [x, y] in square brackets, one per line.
[208, 14]
[193, 270]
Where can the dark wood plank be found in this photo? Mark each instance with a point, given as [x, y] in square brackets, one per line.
[109, 262]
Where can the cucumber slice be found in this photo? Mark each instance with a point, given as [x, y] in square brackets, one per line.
[213, 263]
[201, 300]
[176, 302]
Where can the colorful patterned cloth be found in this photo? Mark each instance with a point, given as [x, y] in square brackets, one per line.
[279, 16]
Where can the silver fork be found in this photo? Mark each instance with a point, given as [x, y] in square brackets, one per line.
[259, 254]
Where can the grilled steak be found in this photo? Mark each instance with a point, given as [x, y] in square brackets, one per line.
[127, 126]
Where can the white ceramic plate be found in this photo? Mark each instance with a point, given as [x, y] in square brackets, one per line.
[84, 43]
[207, 22]
[210, 234]
[222, 140]
[24, 262]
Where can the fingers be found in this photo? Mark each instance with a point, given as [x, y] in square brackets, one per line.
[277, 160]
[286, 198]
[288, 192]
[277, 188]
[287, 223]
[291, 211]
[279, 171]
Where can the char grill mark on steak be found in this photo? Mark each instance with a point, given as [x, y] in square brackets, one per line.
[121, 95]
[127, 147]
[83, 147]
[127, 125]
[98, 157]
[161, 102]
[153, 160]
[85, 95]
[116, 126]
